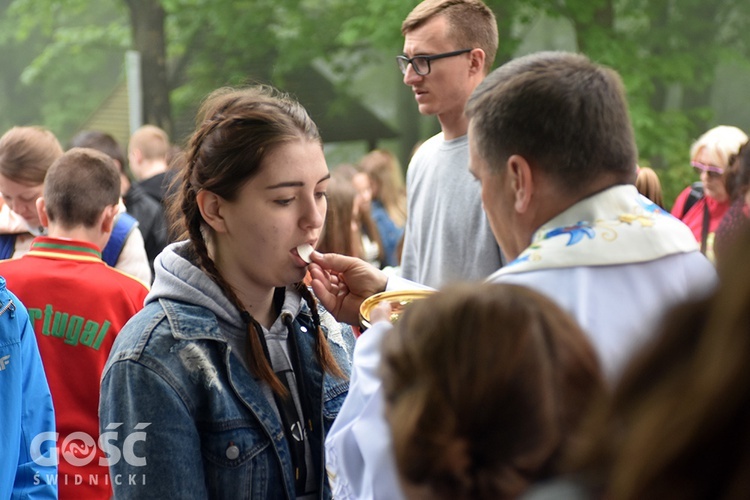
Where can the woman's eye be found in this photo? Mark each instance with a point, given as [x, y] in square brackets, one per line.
[285, 202]
[321, 194]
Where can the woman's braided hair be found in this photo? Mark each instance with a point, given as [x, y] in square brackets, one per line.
[236, 128]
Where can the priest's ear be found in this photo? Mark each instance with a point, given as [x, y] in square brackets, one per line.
[522, 182]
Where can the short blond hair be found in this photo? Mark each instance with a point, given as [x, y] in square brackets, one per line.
[151, 141]
[471, 24]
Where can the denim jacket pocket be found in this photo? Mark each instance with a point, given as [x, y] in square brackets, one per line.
[238, 461]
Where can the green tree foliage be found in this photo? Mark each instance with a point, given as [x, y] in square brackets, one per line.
[57, 60]
[667, 53]
[55, 54]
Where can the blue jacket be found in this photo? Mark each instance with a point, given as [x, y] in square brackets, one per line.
[27, 419]
[390, 233]
[185, 417]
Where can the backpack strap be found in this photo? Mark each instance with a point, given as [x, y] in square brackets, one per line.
[704, 228]
[696, 193]
[124, 225]
[7, 245]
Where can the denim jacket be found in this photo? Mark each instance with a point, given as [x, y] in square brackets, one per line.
[181, 417]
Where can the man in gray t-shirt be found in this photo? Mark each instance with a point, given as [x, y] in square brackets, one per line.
[449, 48]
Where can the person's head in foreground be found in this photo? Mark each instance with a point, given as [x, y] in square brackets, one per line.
[546, 131]
[738, 175]
[483, 386]
[676, 426]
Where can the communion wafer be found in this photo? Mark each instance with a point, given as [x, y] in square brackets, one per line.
[304, 251]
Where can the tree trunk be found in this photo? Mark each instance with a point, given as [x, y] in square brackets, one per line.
[147, 23]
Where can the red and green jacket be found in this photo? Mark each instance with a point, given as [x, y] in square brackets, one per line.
[77, 305]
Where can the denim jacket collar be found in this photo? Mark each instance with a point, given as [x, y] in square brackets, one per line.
[190, 322]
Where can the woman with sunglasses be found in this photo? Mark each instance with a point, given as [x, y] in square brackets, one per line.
[703, 204]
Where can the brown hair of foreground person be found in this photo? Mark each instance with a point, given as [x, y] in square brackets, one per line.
[483, 386]
[677, 426]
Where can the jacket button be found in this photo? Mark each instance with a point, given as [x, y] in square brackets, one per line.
[232, 451]
[303, 328]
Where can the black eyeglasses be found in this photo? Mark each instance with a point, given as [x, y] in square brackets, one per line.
[421, 64]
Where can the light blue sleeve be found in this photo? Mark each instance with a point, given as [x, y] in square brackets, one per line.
[36, 475]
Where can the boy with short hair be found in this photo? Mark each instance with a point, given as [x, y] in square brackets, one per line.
[77, 305]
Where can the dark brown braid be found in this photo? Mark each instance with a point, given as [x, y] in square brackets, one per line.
[236, 129]
[325, 358]
[259, 365]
